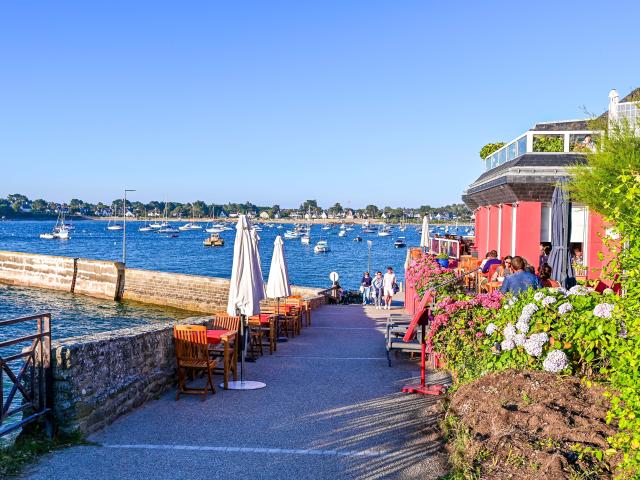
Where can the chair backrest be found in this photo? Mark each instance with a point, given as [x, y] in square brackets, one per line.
[492, 270]
[191, 342]
[226, 322]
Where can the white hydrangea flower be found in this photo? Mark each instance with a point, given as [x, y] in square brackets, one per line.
[607, 291]
[522, 326]
[512, 301]
[524, 318]
[556, 361]
[565, 308]
[533, 348]
[509, 331]
[491, 329]
[530, 308]
[541, 337]
[538, 296]
[533, 345]
[546, 301]
[603, 310]
[519, 339]
[578, 290]
[507, 344]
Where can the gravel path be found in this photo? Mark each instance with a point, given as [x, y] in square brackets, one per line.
[332, 409]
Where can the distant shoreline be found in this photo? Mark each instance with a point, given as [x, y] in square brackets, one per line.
[356, 221]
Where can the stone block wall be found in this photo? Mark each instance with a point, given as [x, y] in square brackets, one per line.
[100, 279]
[189, 292]
[42, 271]
[98, 378]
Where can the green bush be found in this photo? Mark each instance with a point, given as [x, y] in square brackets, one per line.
[489, 148]
[548, 143]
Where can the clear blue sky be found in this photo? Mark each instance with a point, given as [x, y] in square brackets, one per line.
[384, 102]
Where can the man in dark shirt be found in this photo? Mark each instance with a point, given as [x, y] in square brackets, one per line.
[520, 281]
[493, 260]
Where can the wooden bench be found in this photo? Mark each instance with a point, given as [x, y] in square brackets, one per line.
[397, 325]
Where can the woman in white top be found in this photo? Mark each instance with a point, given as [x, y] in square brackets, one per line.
[388, 282]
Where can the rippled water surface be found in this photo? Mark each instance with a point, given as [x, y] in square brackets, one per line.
[186, 254]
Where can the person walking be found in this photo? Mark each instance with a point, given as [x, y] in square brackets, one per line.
[389, 283]
[377, 286]
[365, 287]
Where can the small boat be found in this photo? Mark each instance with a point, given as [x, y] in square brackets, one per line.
[214, 240]
[145, 229]
[326, 227]
[62, 233]
[384, 232]
[47, 236]
[305, 239]
[155, 225]
[321, 247]
[357, 239]
[399, 243]
[168, 229]
[115, 226]
[190, 226]
[342, 233]
[291, 234]
[279, 227]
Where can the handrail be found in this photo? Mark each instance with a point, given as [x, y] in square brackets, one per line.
[32, 378]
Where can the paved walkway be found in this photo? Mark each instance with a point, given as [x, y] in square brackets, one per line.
[332, 409]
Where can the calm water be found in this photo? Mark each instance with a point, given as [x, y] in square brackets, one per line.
[186, 254]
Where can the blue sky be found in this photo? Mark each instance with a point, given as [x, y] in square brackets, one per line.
[276, 102]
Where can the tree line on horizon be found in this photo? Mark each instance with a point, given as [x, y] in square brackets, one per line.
[18, 205]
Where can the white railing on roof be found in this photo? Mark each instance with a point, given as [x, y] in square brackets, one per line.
[572, 141]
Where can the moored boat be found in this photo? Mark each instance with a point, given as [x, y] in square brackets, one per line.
[399, 243]
[321, 247]
[214, 240]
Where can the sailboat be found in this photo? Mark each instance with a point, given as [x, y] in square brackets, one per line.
[191, 225]
[115, 225]
[60, 230]
[147, 227]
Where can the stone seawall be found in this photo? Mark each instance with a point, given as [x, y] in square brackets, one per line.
[99, 279]
[98, 378]
[111, 280]
[189, 292]
[42, 271]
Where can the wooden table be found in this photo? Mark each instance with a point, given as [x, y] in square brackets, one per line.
[230, 355]
[492, 286]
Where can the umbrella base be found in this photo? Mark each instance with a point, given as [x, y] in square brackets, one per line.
[244, 385]
[424, 389]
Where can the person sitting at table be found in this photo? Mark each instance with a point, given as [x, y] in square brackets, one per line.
[545, 276]
[503, 271]
[492, 260]
[520, 280]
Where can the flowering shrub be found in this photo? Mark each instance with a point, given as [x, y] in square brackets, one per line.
[425, 274]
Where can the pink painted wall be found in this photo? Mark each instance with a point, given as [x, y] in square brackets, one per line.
[505, 231]
[493, 227]
[481, 231]
[528, 224]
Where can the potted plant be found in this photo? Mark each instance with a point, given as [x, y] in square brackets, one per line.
[443, 259]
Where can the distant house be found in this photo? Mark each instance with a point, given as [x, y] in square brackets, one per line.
[324, 215]
[129, 214]
[349, 215]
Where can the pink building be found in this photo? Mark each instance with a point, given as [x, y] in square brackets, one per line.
[512, 198]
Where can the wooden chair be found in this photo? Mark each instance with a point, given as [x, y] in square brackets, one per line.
[296, 309]
[286, 322]
[266, 323]
[228, 348]
[192, 352]
[304, 305]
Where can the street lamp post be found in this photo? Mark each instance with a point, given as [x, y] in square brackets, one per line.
[124, 225]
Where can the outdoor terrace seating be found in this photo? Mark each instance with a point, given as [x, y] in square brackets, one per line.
[192, 353]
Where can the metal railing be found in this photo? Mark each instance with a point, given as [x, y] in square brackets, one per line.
[29, 375]
[445, 245]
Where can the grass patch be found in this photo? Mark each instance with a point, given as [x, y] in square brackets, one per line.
[28, 447]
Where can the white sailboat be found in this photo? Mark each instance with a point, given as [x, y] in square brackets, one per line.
[115, 225]
[321, 247]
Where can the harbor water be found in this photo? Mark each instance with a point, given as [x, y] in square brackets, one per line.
[187, 254]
